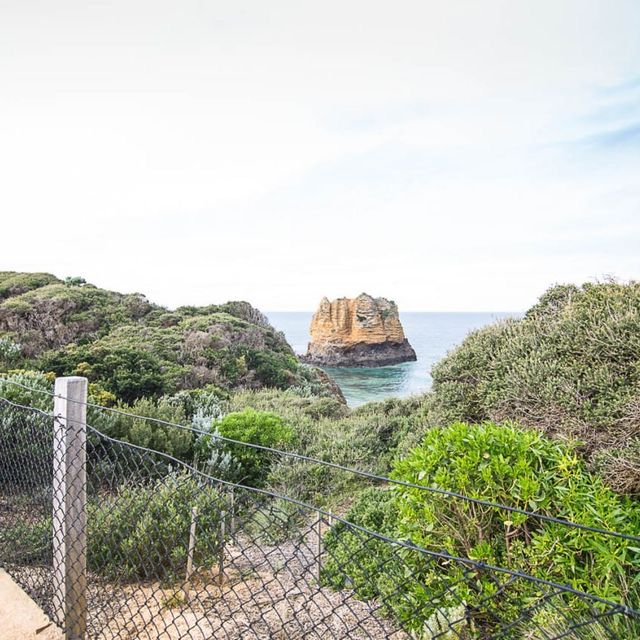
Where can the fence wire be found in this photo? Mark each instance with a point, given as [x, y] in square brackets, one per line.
[178, 550]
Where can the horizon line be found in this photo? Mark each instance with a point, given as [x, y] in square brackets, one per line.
[408, 311]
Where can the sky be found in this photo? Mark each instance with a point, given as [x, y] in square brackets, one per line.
[452, 156]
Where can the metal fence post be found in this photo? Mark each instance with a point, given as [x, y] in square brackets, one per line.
[69, 506]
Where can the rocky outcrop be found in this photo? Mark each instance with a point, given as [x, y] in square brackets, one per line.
[358, 332]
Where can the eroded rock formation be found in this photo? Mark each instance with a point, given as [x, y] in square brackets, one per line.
[358, 332]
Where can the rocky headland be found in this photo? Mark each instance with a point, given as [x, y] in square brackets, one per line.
[358, 332]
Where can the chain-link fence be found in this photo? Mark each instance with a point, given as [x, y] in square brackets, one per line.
[175, 549]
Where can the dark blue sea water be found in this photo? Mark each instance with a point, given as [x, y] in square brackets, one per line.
[432, 335]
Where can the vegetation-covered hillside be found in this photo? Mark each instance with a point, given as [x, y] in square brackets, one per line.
[540, 413]
[133, 348]
[570, 367]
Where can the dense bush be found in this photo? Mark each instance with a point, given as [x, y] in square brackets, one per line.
[127, 372]
[26, 436]
[367, 438]
[26, 540]
[237, 462]
[13, 283]
[9, 352]
[142, 532]
[357, 560]
[175, 441]
[571, 366]
[506, 465]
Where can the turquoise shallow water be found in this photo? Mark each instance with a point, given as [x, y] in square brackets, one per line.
[431, 334]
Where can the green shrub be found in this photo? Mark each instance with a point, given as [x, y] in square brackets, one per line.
[139, 532]
[327, 429]
[26, 436]
[356, 560]
[570, 366]
[13, 283]
[128, 372]
[9, 352]
[26, 541]
[274, 522]
[243, 464]
[522, 469]
[175, 441]
[142, 532]
[506, 465]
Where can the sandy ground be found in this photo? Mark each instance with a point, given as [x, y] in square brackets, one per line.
[265, 592]
[20, 616]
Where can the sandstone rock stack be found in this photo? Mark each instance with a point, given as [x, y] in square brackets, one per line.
[358, 332]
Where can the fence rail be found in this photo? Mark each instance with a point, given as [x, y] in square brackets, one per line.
[118, 540]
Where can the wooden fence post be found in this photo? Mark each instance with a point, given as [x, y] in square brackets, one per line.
[319, 547]
[232, 520]
[190, 551]
[221, 550]
[69, 506]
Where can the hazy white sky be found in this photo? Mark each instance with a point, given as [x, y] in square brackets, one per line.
[452, 155]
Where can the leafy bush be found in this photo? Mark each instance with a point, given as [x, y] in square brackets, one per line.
[9, 351]
[325, 428]
[129, 372]
[522, 469]
[26, 436]
[243, 464]
[274, 522]
[354, 559]
[26, 541]
[175, 441]
[518, 468]
[142, 532]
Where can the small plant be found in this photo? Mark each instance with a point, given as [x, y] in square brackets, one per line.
[174, 601]
[9, 351]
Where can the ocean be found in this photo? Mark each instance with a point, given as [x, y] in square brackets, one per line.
[432, 335]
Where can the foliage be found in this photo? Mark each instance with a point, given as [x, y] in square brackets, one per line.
[127, 372]
[354, 558]
[13, 283]
[250, 465]
[135, 349]
[142, 532]
[26, 436]
[34, 390]
[367, 438]
[26, 537]
[506, 465]
[148, 433]
[274, 522]
[570, 366]
[9, 351]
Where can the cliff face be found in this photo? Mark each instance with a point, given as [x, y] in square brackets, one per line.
[358, 332]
